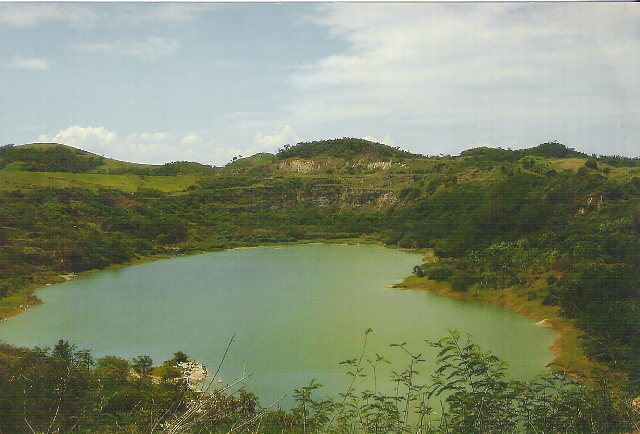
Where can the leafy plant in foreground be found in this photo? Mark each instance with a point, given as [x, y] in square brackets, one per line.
[479, 398]
[469, 393]
[44, 390]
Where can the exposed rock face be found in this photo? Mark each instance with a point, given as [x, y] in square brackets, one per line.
[379, 165]
[298, 165]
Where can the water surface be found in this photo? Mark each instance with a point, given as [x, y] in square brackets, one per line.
[296, 313]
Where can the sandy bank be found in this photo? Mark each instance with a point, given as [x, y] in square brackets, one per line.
[567, 349]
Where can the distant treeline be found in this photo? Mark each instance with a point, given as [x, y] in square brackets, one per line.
[168, 169]
[345, 148]
[547, 150]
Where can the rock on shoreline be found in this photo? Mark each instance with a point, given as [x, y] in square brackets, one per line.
[193, 372]
[544, 323]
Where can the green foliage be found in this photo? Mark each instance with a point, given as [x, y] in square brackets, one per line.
[345, 148]
[439, 272]
[491, 154]
[54, 158]
[180, 168]
[142, 364]
[619, 161]
[469, 392]
[64, 390]
[112, 372]
[591, 164]
[167, 371]
[36, 388]
[552, 150]
[312, 414]
[491, 224]
[479, 398]
[180, 357]
[545, 150]
[418, 271]
[528, 163]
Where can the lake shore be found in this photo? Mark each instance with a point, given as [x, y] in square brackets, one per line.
[569, 354]
[25, 297]
[393, 315]
[566, 349]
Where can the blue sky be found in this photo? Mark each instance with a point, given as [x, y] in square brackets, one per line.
[160, 82]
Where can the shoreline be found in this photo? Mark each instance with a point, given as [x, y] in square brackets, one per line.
[26, 296]
[41, 281]
[566, 350]
[568, 354]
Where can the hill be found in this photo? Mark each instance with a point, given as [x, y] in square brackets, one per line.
[346, 148]
[549, 231]
[61, 166]
[54, 157]
[331, 157]
[545, 150]
[46, 157]
[547, 227]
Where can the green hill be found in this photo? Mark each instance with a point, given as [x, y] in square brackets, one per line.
[54, 157]
[549, 231]
[346, 148]
[546, 150]
[61, 166]
[548, 226]
[48, 157]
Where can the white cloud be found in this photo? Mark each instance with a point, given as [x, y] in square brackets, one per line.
[478, 72]
[191, 139]
[387, 140]
[210, 152]
[89, 139]
[152, 48]
[150, 148]
[146, 148]
[286, 135]
[32, 63]
[154, 137]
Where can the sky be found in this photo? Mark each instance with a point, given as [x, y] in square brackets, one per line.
[206, 82]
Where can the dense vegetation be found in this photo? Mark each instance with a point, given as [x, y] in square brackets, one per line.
[66, 390]
[48, 159]
[345, 148]
[549, 225]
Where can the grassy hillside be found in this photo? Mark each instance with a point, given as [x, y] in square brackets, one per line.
[53, 157]
[548, 227]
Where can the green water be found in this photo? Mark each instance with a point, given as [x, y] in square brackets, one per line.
[296, 313]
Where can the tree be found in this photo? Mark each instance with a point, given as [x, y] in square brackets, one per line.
[418, 271]
[180, 357]
[63, 351]
[591, 164]
[112, 371]
[142, 364]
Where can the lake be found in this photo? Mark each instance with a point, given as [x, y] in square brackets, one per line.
[295, 313]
